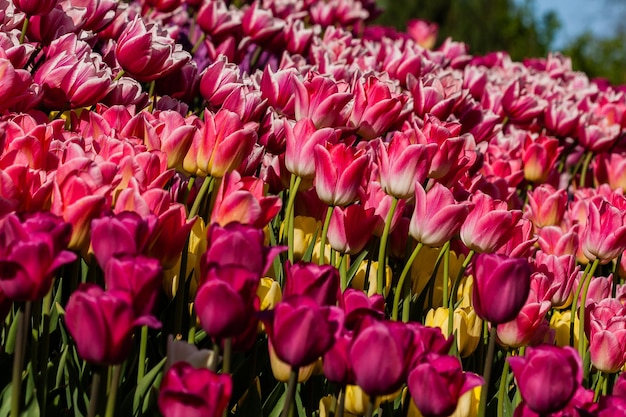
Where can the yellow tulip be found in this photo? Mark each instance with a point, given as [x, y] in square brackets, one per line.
[561, 322]
[281, 370]
[304, 228]
[467, 327]
[358, 281]
[357, 400]
[423, 267]
[326, 404]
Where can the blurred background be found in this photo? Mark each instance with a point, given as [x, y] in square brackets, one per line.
[591, 32]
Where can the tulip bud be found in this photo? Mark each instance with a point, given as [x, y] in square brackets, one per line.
[467, 329]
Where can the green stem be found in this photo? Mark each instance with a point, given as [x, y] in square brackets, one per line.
[403, 275]
[582, 340]
[574, 306]
[291, 391]
[343, 273]
[446, 274]
[151, 96]
[204, 190]
[23, 318]
[95, 390]
[215, 358]
[44, 336]
[24, 29]
[143, 345]
[600, 386]
[341, 402]
[583, 173]
[484, 393]
[119, 75]
[455, 289]
[382, 251]
[198, 43]
[228, 350]
[112, 399]
[289, 214]
[329, 213]
[502, 392]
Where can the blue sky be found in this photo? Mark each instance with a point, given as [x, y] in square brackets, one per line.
[577, 16]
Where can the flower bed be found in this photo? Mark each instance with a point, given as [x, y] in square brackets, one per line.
[231, 209]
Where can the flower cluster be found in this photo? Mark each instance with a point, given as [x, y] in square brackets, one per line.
[213, 197]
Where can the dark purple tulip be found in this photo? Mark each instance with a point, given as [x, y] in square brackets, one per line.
[438, 382]
[190, 392]
[301, 330]
[381, 353]
[321, 283]
[543, 367]
[501, 287]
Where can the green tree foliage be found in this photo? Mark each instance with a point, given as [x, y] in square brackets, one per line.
[485, 25]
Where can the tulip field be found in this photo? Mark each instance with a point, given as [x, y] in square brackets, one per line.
[278, 208]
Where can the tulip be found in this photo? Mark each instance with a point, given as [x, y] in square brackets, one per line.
[282, 370]
[219, 80]
[216, 19]
[365, 278]
[604, 237]
[561, 272]
[545, 366]
[146, 51]
[437, 383]
[381, 339]
[301, 331]
[402, 164]
[610, 168]
[187, 391]
[320, 100]
[302, 139]
[182, 351]
[561, 323]
[337, 361]
[259, 24]
[339, 170]
[424, 33]
[102, 323]
[226, 300]
[489, 225]
[546, 206]
[501, 286]
[137, 275]
[33, 8]
[528, 325]
[30, 253]
[169, 235]
[540, 157]
[351, 228]
[520, 105]
[467, 330]
[220, 145]
[606, 330]
[437, 216]
[321, 283]
[16, 85]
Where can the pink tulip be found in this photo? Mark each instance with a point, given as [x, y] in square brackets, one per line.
[610, 168]
[217, 20]
[220, 145]
[241, 200]
[194, 392]
[321, 283]
[606, 329]
[501, 287]
[101, 323]
[489, 225]
[547, 366]
[337, 361]
[561, 118]
[437, 216]
[30, 253]
[546, 206]
[320, 100]
[561, 272]
[219, 80]
[99, 13]
[437, 383]
[277, 88]
[350, 228]
[540, 157]
[259, 24]
[139, 276]
[432, 97]
[422, 32]
[32, 8]
[520, 105]
[402, 164]
[302, 139]
[604, 236]
[176, 135]
[339, 171]
[597, 134]
[146, 51]
[16, 85]
[556, 241]
[300, 330]
[381, 339]
[226, 300]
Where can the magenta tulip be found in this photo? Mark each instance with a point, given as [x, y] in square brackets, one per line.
[501, 287]
[547, 377]
[102, 323]
[437, 383]
[301, 331]
[381, 354]
[139, 276]
[194, 392]
[319, 282]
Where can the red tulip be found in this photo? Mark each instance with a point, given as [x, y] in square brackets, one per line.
[547, 366]
[191, 392]
[351, 228]
[501, 287]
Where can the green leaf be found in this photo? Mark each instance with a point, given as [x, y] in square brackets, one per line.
[308, 254]
[298, 403]
[355, 267]
[251, 404]
[144, 387]
[273, 405]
